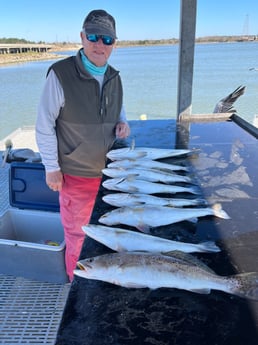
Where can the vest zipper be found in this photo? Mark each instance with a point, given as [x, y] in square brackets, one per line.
[105, 102]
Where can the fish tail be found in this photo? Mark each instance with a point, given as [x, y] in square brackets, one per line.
[245, 285]
[209, 246]
[194, 190]
[219, 212]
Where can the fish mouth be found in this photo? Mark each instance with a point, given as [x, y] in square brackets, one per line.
[83, 267]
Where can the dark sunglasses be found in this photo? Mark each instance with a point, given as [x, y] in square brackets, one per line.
[107, 40]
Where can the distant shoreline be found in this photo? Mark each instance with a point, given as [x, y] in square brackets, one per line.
[52, 54]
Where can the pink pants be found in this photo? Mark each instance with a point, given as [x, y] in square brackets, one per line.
[77, 199]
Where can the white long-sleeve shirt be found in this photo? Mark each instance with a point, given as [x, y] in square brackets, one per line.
[51, 101]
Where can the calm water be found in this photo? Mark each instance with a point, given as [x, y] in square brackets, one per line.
[149, 77]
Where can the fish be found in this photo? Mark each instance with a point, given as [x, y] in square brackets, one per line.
[147, 175]
[225, 105]
[120, 240]
[145, 217]
[154, 271]
[145, 152]
[146, 163]
[129, 199]
[132, 185]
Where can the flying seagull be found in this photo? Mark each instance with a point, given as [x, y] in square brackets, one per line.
[225, 105]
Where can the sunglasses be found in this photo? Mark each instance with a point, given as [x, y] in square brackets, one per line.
[107, 40]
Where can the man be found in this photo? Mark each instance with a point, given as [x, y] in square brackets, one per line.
[80, 114]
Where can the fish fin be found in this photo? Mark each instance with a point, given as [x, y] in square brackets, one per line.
[134, 285]
[219, 212]
[118, 248]
[141, 154]
[201, 291]
[188, 259]
[132, 189]
[209, 246]
[143, 228]
[194, 190]
[132, 160]
[193, 220]
[132, 177]
[245, 285]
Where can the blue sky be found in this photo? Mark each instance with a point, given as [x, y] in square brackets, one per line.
[59, 21]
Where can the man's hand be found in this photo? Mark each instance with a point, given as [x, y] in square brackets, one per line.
[122, 130]
[54, 180]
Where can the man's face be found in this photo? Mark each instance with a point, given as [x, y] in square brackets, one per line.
[97, 52]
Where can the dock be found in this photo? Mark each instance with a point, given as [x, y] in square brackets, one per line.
[23, 48]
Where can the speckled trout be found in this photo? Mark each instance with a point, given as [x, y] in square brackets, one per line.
[146, 163]
[180, 271]
[132, 185]
[122, 240]
[145, 152]
[151, 175]
[145, 217]
[128, 199]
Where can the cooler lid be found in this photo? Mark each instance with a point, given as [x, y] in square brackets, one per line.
[28, 189]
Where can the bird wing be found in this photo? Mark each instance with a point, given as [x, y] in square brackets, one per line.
[225, 105]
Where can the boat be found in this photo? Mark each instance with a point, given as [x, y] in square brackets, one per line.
[93, 312]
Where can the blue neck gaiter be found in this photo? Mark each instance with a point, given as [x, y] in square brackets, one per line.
[90, 67]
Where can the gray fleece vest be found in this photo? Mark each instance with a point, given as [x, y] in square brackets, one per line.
[85, 126]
